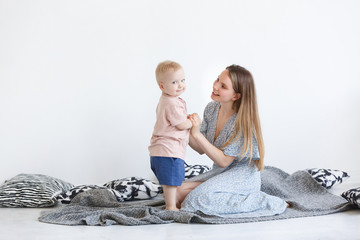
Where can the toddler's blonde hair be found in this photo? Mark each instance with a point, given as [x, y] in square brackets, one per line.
[165, 66]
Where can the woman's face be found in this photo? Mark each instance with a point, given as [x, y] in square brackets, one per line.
[223, 90]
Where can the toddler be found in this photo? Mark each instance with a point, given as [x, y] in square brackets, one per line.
[171, 131]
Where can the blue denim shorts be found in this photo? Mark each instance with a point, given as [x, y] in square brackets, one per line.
[169, 171]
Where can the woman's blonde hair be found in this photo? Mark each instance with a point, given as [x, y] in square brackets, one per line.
[247, 123]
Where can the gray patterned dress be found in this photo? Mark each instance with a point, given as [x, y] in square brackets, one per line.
[233, 191]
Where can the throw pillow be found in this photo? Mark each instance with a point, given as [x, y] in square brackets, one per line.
[32, 190]
[353, 196]
[134, 188]
[328, 177]
[68, 196]
[194, 170]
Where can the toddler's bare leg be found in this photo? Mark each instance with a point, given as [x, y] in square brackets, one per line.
[170, 197]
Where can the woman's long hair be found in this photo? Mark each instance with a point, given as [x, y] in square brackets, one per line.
[247, 123]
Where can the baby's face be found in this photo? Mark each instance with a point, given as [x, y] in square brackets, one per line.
[173, 82]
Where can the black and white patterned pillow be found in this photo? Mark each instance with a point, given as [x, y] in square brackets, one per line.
[352, 196]
[134, 188]
[32, 190]
[194, 170]
[68, 196]
[328, 177]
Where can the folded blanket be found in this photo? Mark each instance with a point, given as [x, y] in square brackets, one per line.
[98, 207]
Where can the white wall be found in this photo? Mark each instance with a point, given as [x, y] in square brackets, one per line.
[78, 93]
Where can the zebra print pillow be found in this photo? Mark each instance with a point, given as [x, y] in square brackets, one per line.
[328, 177]
[67, 197]
[194, 170]
[352, 196]
[134, 188]
[32, 190]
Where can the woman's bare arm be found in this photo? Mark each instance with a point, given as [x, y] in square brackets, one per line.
[203, 145]
[213, 152]
[193, 144]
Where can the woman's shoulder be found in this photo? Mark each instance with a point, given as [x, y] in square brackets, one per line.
[211, 107]
[211, 110]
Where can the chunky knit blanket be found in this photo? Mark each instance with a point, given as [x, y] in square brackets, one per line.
[98, 207]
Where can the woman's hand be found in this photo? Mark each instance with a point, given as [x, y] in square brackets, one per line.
[196, 122]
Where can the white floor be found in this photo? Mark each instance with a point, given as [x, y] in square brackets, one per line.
[16, 224]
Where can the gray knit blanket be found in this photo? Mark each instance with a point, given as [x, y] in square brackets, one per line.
[99, 207]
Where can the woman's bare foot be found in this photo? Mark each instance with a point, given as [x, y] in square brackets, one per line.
[178, 204]
[172, 209]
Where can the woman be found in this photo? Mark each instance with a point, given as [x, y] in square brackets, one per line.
[230, 135]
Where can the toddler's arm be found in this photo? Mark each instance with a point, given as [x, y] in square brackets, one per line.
[184, 125]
